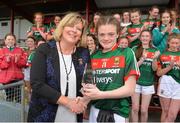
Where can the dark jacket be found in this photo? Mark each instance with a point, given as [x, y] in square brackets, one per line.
[45, 81]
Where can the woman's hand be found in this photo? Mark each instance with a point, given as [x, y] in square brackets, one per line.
[76, 106]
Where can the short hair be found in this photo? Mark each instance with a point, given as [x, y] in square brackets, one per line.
[154, 7]
[70, 19]
[135, 10]
[104, 20]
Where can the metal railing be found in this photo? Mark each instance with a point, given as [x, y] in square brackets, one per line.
[12, 104]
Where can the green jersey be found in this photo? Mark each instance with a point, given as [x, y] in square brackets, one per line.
[36, 33]
[112, 69]
[147, 76]
[132, 30]
[165, 60]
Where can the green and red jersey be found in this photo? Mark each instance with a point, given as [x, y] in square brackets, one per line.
[151, 22]
[36, 33]
[51, 29]
[132, 30]
[111, 70]
[30, 58]
[147, 76]
[165, 60]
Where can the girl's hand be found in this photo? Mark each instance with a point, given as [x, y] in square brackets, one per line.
[144, 54]
[8, 58]
[16, 58]
[156, 54]
[91, 91]
[172, 63]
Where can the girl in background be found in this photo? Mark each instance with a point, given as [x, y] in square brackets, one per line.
[91, 43]
[38, 29]
[147, 61]
[152, 21]
[125, 22]
[161, 33]
[169, 83]
[174, 15]
[125, 19]
[31, 44]
[135, 28]
[12, 60]
[52, 27]
[92, 27]
[123, 42]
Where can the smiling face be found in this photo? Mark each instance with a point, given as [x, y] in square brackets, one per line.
[165, 18]
[90, 43]
[38, 19]
[135, 17]
[126, 16]
[123, 42]
[174, 44]
[57, 20]
[107, 35]
[154, 13]
[30, 43]
[10, 41]
[145, 38]
[72, 33]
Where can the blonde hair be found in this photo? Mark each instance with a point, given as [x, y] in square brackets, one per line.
[173, 36]
[70, 20]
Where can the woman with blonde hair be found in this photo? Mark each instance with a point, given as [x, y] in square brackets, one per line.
[56, 74]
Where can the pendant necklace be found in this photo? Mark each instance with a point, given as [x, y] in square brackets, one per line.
[67, 72]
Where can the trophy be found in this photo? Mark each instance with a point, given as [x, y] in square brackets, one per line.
[88, 75]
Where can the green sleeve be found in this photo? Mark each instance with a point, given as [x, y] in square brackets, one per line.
[131, 67]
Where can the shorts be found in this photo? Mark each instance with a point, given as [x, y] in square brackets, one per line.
[168, 87]
[94, 113]
[27, 74]
[146, 90]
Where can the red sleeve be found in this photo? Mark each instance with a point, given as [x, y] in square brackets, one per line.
[22, 60]
[3, 63]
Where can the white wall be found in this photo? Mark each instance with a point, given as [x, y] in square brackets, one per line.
[20, 28]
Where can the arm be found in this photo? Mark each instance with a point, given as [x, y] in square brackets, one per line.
[162, 71]
[141, 60]
[43, 34]
[157, 36]
[154, 62]
[154, 65]
[4, 60]
[94, 93]
[22, 59]
[132, 38]
[49, 37]
[30, 32]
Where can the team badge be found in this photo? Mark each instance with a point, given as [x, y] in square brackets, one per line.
[116, 61]
[80, 61]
